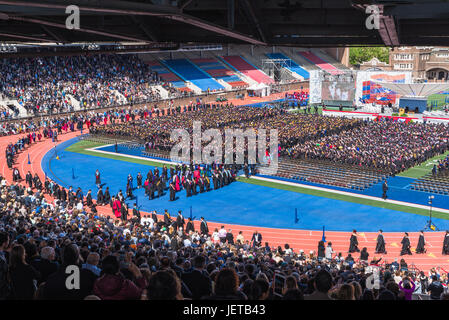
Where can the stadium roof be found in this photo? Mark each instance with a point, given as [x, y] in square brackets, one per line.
[261, 22]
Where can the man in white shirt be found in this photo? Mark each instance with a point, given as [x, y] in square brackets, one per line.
[329, 251]
[79, 205]
[222, 234]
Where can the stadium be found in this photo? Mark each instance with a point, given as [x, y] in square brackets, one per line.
[223, 150]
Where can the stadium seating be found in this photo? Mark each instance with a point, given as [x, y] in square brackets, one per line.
[438, 184]
[218, 71]
[294, 67]
[338, 175]
[247, 69]
[168, 76]
[190, 72]
[319, 62]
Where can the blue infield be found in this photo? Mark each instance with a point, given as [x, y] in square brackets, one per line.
[239, 203]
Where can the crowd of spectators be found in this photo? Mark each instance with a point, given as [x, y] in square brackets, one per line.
[144, 258]
[148, 258]
[48, 85]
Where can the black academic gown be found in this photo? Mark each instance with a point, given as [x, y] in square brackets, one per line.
[139, 180]
[89, 200]
[421, 243]
[204, 228]
[172, 192]
[405, 246]
[107, 197]
[100, 197]
[380, 246]
[353, 244]
[167, 220]
[446, 244]
[136, 214]
[190, 227]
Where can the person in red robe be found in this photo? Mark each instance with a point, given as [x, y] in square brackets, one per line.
[117, 206]
[177, 186]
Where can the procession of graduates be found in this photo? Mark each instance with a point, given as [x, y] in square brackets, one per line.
[192, 178]
[406, 245]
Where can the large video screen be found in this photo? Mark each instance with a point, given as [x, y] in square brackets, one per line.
[342, 91]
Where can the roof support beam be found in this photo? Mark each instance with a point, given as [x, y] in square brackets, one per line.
[86, 30]
[139, 9]
[143, 26]
[53, 34]
[255, 20]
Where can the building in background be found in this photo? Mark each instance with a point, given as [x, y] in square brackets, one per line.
[425, 63]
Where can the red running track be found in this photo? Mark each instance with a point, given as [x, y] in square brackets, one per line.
[297, 239]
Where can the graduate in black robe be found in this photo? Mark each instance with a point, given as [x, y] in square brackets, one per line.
[154, 217]
[29, 179]
[353, 242]
[220, 179]
[180, 221]
[384, 190]
[203, 227]
[160, 187]
[188, 187]
[107, 196]
[139, 180]
[172, 192]
[380, 245]
[136, 213]
[405, 245]
[446, 243]
[206, 182]
[100, 197]
[129, 190]
[193, 186]
[124, 211]
[151, 189]
[63, 195]
[167, 219]
[215, 180]
[89, 198]
[165, 172]
[189, 226]
[421, 243]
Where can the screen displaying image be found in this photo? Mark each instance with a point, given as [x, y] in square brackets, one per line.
[332, 90]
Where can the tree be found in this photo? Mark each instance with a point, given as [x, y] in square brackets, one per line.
[358, 55]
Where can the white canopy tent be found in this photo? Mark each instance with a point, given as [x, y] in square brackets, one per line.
[260, 89]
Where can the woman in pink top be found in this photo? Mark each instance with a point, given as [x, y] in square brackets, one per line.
[408, 288]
